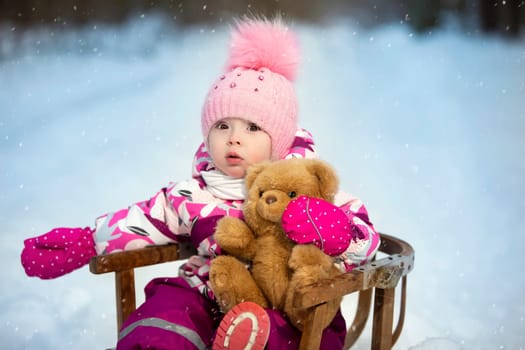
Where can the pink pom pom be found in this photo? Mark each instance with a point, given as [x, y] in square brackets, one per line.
[268, 44]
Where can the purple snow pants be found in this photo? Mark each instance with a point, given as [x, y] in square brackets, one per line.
[175, 316]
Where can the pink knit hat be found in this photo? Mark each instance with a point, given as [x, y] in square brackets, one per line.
[257, 85]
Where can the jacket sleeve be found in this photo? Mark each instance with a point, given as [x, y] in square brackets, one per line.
[365, 240]
[63, 250]
[148, 222]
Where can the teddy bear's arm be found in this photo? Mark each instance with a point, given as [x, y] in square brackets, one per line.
[235, 238]
[310, 265]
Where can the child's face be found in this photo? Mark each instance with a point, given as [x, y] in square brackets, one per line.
[235, 144]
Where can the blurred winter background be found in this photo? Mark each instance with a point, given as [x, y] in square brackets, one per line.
[420, 105]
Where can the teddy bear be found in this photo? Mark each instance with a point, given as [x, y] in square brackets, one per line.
[259, 261]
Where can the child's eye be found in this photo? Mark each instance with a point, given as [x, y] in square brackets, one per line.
[292, 194]
[221, 125]
[253, 127]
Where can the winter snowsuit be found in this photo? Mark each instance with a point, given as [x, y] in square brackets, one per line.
[180, 312]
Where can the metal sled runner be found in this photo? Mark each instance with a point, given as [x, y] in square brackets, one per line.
[375, 282]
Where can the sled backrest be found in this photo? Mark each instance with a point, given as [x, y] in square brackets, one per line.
[380, 276]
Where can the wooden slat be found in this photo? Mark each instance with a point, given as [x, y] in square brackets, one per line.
[328, 289]
[312, 333]
[402, 308]
[383, 319]
[361, 316]
[125, 295]
[122, 261]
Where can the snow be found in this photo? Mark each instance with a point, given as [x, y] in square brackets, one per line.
[425, 129]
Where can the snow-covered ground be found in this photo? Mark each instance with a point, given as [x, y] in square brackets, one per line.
[427, 130]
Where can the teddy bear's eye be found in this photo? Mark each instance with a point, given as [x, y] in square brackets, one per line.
[292, 194]
[261, 192]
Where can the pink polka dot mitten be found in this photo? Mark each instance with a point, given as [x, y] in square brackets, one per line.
[58, 252]
[308, 220]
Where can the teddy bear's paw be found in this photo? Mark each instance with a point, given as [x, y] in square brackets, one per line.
[229, 224]
[235, 238]
[224, 301]
[308, 255]
[223, 290]
[233, 295]
[221, 280]
[223, 229]
[232, 283]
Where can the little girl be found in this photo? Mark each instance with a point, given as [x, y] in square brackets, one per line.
[249, 116]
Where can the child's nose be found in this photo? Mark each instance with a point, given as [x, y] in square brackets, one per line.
[234, 138]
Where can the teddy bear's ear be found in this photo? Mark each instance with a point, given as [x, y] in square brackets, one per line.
[254, 171]
[328, 181]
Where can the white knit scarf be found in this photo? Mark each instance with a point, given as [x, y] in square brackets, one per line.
[223, 186]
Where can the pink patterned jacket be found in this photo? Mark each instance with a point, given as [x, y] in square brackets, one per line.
[188, 211]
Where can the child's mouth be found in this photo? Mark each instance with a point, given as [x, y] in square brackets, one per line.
[233, 158]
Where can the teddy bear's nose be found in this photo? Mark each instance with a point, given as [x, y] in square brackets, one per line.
[270, 199]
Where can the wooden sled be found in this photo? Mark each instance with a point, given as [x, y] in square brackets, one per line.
[378, 278]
